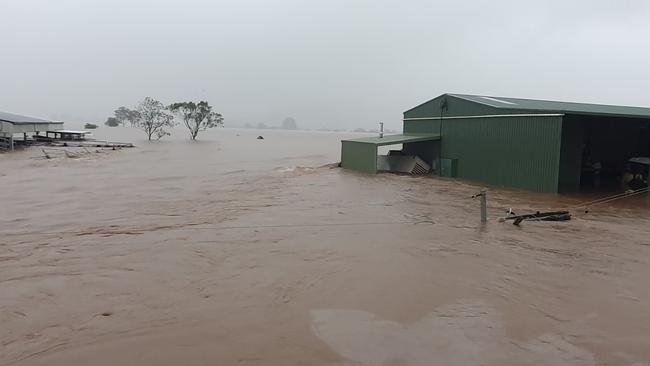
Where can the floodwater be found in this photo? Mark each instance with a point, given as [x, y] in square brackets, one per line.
[238, 251]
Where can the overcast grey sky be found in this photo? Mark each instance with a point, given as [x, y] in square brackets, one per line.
[335, 63]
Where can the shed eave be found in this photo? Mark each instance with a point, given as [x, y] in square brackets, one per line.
[395, 139]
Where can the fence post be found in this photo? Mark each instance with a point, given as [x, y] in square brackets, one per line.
[483, 195]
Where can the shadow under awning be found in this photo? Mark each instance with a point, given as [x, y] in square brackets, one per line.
[361, 154]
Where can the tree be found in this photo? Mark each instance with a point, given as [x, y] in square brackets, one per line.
[153, 118]
[197, 116]
[289, 124]
[112, 122]
[124, 114]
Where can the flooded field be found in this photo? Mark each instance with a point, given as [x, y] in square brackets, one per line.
[232, 250]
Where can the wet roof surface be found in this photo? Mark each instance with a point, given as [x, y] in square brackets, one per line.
[19, 119]
[555, 106]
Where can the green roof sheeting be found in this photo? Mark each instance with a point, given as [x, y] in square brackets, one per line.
[553, 106]
[395, 139]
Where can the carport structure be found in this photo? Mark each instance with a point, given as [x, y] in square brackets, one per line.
[361, 154]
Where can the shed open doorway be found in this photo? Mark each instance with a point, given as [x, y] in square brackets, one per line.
[602, 153]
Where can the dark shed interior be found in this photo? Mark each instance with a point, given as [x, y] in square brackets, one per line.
[596, 150]
[429, 151]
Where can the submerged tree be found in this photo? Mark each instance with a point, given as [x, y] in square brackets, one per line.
[197, 116]
[112, 122]
[124, 115]
[153, 118]
[289, 124]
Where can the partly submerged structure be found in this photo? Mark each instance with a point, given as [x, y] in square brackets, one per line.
[12, 124]
[537, 145]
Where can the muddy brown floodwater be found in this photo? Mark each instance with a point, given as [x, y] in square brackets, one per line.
[239, 251]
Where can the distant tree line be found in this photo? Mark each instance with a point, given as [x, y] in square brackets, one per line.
[287, 124]
[155, 119]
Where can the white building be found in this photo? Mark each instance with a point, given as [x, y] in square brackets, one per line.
[12, 124]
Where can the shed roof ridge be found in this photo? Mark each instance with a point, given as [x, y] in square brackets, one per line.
[443, 95]
[541, 105]
[465, 97]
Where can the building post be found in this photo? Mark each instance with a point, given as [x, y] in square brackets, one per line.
[11, 142]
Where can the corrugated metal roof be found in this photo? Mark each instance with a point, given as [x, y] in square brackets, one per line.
[396, 139]
[18, 119]
[554, 106]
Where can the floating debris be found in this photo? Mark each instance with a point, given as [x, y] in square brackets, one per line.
[538, 216]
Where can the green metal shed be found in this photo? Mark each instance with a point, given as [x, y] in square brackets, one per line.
[532, 144]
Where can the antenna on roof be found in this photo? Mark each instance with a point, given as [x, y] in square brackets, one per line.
[444, 105]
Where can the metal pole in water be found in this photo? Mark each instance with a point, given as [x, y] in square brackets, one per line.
[381, 130]
[483, 195]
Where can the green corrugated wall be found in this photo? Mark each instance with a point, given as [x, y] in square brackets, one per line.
[422, 126]
[359, 156]
[521, 152]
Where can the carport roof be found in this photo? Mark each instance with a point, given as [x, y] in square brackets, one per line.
[395, 139]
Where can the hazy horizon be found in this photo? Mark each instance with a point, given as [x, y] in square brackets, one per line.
[336, 64]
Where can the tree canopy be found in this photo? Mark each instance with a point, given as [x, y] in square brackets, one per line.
[289, 124]
[153, 118]
[124, 115]
[112, 122]
[196, 116]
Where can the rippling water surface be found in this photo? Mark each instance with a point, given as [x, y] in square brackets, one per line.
[233, 250]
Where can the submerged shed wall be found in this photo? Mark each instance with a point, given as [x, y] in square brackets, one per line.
[522, 152]
[359, 156]
[6, 128]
